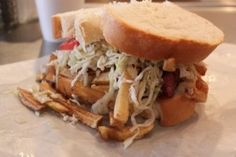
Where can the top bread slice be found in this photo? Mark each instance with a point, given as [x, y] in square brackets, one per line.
[88, 26]
[63, 24]
[158, 31]
[84, 25]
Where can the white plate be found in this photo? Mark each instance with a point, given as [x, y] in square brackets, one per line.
[212, 132]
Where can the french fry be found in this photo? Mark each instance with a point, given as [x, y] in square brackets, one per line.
[100, 88]
[196, 90]
[85, 93]
[102, 79]
[201, 68]
[86, 117]
[121, 109]
[200, 91]
[45, 86]
[108, 133]
[169, 65]
[57, 107]
[90, 119]
[29, 101]
[64, 86]
[52, 57]
[66, 73]
[114, 122]
[40, 77]
[60, 105]
[51, 70]
[50, 74]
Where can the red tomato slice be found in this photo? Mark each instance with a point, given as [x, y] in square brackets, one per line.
[69, 44]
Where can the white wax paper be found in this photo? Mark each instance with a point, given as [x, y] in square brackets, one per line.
[211, 132]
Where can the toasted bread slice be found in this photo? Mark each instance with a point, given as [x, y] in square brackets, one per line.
[176, 109]
[159, 31]
[63, 24]
[83, 24]
[88, 25]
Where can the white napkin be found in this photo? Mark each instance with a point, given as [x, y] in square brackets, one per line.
[211, 132]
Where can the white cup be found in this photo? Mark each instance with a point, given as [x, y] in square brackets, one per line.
[47, 8]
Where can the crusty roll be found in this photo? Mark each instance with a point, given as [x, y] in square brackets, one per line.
[159, 30]
[176, 109]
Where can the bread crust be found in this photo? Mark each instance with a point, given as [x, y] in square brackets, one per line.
[153, 47]
[176, 109]
[88, 26]
[56, 27]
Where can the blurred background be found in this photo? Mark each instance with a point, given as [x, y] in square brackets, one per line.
[21, 37]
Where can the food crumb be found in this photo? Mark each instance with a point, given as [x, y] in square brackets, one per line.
[37, 113]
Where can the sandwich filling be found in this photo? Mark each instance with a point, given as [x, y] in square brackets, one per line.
[147, 78]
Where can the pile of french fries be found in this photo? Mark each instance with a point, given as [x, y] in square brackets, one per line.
[60, 98]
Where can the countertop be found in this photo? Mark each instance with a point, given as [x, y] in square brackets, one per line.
[25, 42]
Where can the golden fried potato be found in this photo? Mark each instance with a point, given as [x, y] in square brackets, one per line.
[108, 133]
[86, 93]
[200, 91]
[102, 79]
[51, 70]
[169, 65]
[101, 88]
[201, 68]
[29, 101]
[64, 86]
[45, 86]
[121, 108]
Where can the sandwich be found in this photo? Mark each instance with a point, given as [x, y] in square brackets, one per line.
[126, 67]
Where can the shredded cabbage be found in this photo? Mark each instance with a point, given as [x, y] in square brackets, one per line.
[97, 56]
[44, 96]
[101, 106]
[131, 139]
[144, 92]
[83, 73]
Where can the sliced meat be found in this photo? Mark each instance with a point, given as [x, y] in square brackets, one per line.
[170, 82]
